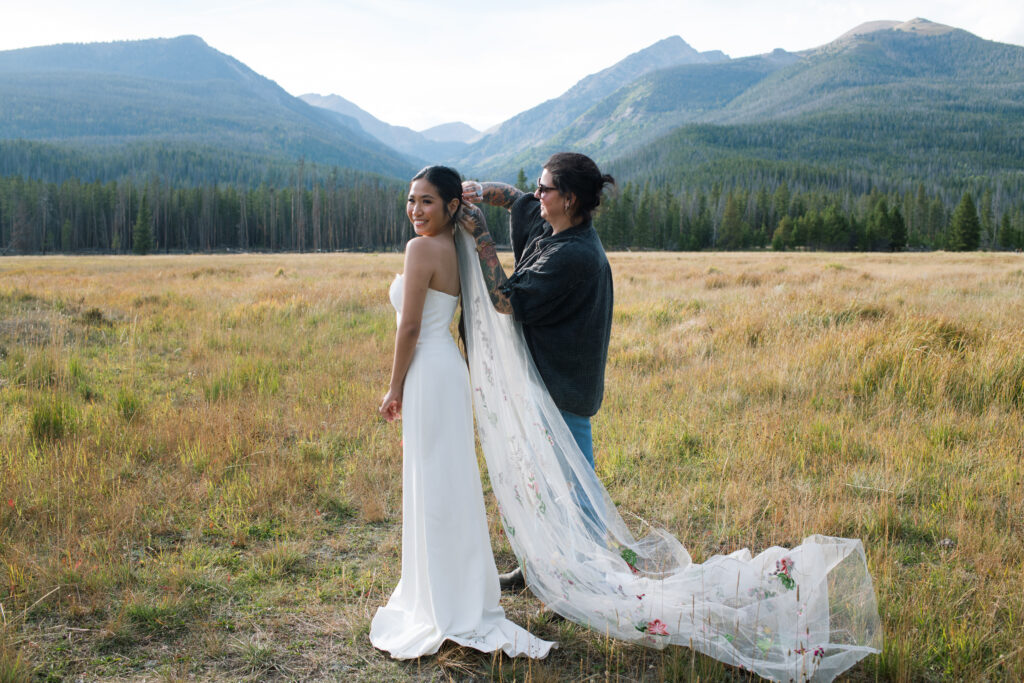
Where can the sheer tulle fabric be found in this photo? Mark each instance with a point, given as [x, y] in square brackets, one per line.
[806, 613]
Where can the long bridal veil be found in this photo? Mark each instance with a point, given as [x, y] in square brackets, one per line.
[806, 613]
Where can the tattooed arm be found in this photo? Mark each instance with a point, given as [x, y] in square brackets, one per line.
[472, 220]
[495, 194]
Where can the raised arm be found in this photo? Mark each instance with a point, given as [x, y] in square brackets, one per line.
[472, 221]
[495, 194]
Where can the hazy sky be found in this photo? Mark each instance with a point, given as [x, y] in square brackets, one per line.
[421, 63]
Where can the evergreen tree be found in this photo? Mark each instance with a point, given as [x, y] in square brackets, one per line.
[836, 230]
[65, 235]
[937, 219]
[988, 223]
[897, 230]
[1006, 237]
[730, 235]
[780, 201]
[642, 229]
[919, 232]
[763, 211]
[879, 226]
[142, 234]
[964, 227]
[21, 236]
[703, 227]
[522, 183]
[782, 239]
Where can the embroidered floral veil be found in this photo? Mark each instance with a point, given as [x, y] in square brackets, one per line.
[806, 613]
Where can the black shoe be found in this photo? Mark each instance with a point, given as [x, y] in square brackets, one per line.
[513, 580]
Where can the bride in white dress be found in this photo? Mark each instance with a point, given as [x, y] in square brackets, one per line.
[449, 585]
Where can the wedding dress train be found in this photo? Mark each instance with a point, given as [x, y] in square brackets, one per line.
[805, 613]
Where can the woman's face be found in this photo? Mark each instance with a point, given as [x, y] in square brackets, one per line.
[426, 211]
[552, 203]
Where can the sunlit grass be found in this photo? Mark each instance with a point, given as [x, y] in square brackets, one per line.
[195, 482]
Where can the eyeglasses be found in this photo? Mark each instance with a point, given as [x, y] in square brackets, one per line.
[542, 188]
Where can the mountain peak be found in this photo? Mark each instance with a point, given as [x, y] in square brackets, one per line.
[923, 26]
[667, 52]
[918, 26]
[456, 131]
[184, 58]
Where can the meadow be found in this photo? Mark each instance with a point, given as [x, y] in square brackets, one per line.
[194, 482]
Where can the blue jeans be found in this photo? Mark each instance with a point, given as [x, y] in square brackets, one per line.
[580, 428]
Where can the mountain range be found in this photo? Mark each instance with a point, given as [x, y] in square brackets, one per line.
[907, 78]
[174, 94]
[887, 101]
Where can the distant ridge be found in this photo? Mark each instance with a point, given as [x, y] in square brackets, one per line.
[185, 58]
[415, 146]
[506, 144]
[456, 131]
[170, 94]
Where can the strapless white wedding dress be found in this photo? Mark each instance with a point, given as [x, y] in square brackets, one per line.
[449, 586]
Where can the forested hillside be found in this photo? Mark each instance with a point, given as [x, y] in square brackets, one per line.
[893, 136]
[178, 105]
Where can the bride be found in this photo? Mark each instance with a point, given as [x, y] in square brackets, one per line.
[449, 584]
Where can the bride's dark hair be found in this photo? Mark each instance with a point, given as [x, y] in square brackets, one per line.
[448, 183]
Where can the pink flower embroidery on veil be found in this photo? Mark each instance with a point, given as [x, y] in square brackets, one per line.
[783, 568]
[657, 628]
[653, 628]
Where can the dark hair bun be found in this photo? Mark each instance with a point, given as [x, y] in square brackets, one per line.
[578, 175]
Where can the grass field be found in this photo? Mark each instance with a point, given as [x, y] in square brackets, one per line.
[194, 483]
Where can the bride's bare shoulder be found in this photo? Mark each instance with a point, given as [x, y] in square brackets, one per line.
[426, 246]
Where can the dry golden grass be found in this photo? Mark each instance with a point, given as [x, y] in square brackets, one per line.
[194, 482]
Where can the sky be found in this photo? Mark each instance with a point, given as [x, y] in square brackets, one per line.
[420, 63]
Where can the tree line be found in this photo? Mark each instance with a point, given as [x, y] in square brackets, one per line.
[649, 217]
[349, 211]
[341, 211]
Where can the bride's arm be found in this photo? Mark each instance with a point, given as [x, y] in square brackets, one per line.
[418, 270]
[472, 221]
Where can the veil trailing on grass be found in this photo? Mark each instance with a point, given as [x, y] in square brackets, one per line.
[806, 613]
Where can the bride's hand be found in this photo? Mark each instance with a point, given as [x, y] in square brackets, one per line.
[391, 407]
[472, 192]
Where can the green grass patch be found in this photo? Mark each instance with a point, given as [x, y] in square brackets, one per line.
[51, 419]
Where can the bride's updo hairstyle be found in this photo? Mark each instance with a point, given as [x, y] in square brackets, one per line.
[578, 175]
[448, 183]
